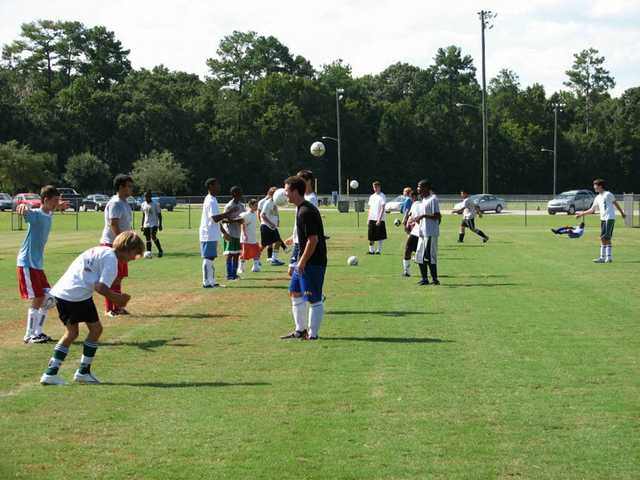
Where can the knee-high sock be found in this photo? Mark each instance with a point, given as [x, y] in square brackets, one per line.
[32, 319]
[88, 352]
[480, 233]
[158, 246]
[406, 265]
[461, 237]
[269, 251]
[607, 252]
[371, 247]
[41, 315]
[380, 246]
[234, 264]
[148, 245]
[207, 272]
[59, 354]
[602, 251]
[299, 309]
[316, 312]
[230, 272]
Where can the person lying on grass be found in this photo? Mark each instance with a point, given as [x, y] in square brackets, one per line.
[572, 232]
[94, 270]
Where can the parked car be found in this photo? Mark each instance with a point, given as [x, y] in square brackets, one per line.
[486, 202]
[6, 203]
[167, 202]
[31, 199]
[97, 202]
[69, 195]
[394, 205]
[134, 203]
[571, 201]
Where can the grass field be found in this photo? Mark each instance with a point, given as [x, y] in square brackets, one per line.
[523, 364]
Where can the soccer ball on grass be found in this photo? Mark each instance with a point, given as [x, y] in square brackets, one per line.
[397, 222]
[148, 255]
[352, 261]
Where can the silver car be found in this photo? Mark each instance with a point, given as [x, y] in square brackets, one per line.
[6, 202]
[395, 205]
[486, 202]
[570, 201]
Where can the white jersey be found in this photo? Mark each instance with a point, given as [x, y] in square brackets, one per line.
[417, 209]
[151, 214]
[96, 265]
[115, 209]
[469, 212]
[430, 227]
[209, 230]
[312, 198]
[235, 209]
[377, 202]
[250, 220]
[270, 210]
[604, 204]
[261, 204]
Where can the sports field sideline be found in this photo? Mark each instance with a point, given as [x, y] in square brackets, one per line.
[522, 364]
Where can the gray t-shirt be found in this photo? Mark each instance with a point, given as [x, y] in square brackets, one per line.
[119, 209]
[234, 229]
[430, 226]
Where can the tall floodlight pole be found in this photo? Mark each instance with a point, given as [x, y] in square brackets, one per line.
[485, 23]
[339, 92]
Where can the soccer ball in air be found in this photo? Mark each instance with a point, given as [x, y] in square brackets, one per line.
[352, 261]
[354, 184]
[148, 255]
[317, 149]
[280, 197]
[397, 222]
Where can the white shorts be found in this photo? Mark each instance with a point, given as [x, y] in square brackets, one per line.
[427, 249]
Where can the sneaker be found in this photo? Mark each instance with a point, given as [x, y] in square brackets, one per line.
[84, 377]
[295, 334]
[111, 313]
[255, 269]
[485, 240]
[406, 274]
[608, 260]
[277, 263]
[424, 281]
[207, 286]
[311, 338]
[160, 253]
[599, 260]
[52, 380]
[28, 339]
[435, 282]
[42, 338]
[378, 253]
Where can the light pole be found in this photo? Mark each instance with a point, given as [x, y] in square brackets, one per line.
[486, 17]
[556, 107]
[337, 140]
[339, 92]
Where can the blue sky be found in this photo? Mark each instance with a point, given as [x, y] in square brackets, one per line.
[536, 38]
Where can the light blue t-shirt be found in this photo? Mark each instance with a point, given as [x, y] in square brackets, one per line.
[31, 254]
[406, 205]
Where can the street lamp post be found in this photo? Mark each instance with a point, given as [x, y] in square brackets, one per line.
[556, 107]
[485, 23]
[339, 92]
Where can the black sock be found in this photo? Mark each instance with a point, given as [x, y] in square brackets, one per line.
[157, 242]
[461, 237]
[481, 233]
[434, 271]
[148, 246]
[269, 251]
[424, 271]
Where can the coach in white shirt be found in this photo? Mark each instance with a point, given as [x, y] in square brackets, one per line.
[427, 252]
[377, 231]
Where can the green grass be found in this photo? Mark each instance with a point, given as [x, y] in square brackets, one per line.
[522, 364]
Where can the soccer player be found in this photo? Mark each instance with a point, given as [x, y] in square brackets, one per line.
[94, 270]
[269, 223]
[604, 203]
[407, 193]
[427, 251]
[571, 232]
[231, 230]
[151, 222]
[377, 231]
[117, 219]
[261, 203]
[413, 233]
[311, 197]
[32, 280]
[210, 233]
[249, 240]
[305, 288]
[469, 211]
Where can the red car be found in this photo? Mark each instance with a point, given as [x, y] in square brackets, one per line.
[31, 199]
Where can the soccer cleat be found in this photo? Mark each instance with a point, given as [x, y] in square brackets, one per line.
[52, 380]
[608, 260]
[276, 263]
[207, 286]
[406, 274]
[42, 338]
[295, 334]
[111, 313]
[424, 281]
[485, 239]
[599, 260]
[28, 339]
[378, 253]
[435, 282]
[311, 338]
[554, 231]
[84, 377]
[160, 253]
[255, 269]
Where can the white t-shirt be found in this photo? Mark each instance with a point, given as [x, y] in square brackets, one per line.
[469, 212]
[270, 210]
[417, 209]
[376, 203]
[604, 204]
[151, 214]
[261, 203]
[209, 230]
[430, 227]
[115, 208]
[96, 265]
[312, 198]
[249, 234]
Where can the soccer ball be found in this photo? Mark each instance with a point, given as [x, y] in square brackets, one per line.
[354, 184]
[280, 197]
[397, 222]
[352, 261]
[148, 255]
[317, 149]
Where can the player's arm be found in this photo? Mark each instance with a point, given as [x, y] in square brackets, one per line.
[617, 205]
[142, 222]
[120, 299]
[23, 209]
[114, 224]
[585, 212]
[381, 212]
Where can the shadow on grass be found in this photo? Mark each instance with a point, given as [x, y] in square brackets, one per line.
[486, 285]
[388, 339]
[275, 287]
[384, 313]
[473, 276]
[194, 316]
[187, 384]
[265, 279]
[147, 346]
[181, 254]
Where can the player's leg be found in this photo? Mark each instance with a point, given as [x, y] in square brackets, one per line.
[298, 308]
[432, 247]
[477, 231]
[277, 243]
[89, 348]
[371, 235]
[608, 258]
[295, 252]
[147, 236]
[60, 351]
[381, 235]
[154, 237]
[421, 259]
[463, 224]
[603, 245]
[208, 252]
[312, 283]
[26, 292]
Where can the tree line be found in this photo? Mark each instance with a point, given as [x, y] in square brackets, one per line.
[73, 111]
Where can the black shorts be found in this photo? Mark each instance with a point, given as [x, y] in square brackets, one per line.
[377, 232]
[412, 244]
[149, 232]
[470, 223]
[77, 312]
[268, 236]
[606, 229]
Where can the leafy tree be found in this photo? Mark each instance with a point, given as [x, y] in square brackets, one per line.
[87, 173]
[160, 172]
[22, 169]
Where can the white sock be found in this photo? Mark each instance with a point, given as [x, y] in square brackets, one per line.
[274, 254]
[207, 272]
[602, 251]
[380, 246]
[406, 264]
[299, 310]
[32, 319]
[241, 266]
[607, 252]
[371, 248]
[316, 312]
[41, 316]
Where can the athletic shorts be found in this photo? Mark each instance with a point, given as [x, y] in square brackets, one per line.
[149, 232]
[412, 244]
[427, 250]
[31, 282]
[269, 236]
[309, 283]
[123, 267]
[209, 249]
[470, 223]
[232, 246]
[250, 251]
[606, 229]
[377, 232]
[295, 253]
[77, 312]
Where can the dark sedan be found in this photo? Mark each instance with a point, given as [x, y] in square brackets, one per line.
[97, 202]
